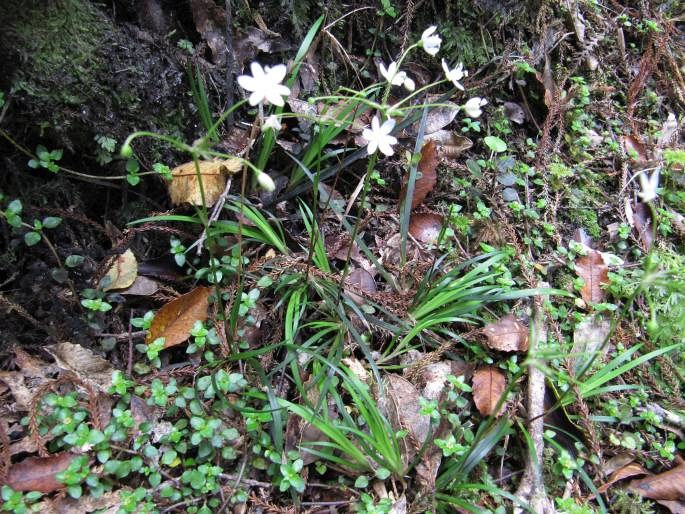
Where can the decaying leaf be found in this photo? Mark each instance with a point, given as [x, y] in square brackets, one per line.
[669, 485]
[400, 403]
[174, 321]
[185, 187]
[642, 218]
[142, 286]
[630, 470]
[594, 272]
[427, 178]
[89, 367]
[439, 117]
[123, 272]
[635, 149]
[488, 385]
[514, 112]
[507, 335]
[24, 383]
[426, 227]
[39, 473]
[588, 337]
[451, 144]
[362, 279]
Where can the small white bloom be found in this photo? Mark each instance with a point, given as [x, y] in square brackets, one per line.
[265, 181]
[472, 107]
[429, 41]
[648, 186]
[272, 122]
[391, 73]
[265, 84]
[396, 77]
[379, 136]
[456, 74]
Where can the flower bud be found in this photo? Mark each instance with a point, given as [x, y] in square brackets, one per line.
[265, 182]
[126, 150]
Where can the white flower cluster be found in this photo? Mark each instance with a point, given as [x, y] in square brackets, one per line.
[265, 86]
[378, 136]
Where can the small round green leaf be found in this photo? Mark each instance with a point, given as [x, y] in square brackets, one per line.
[495, 144]
[51, 221]
[31, 238]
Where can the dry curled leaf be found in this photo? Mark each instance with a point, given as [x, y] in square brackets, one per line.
[669, 485]
[123, 271]
[39, 473]
[427, 179]
[507, 335]
[627, 471]
[514, 112]
[89, 367]
[185, 187]
[594, 272]
[451, 144]
[426, 227]
[488, 385]
[174, 321]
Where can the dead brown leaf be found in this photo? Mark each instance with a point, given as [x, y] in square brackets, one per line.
[185, 186]
[451, 144]
[594, 272]
[401, 404]
[174, 321]
[123, 271]
[142, 286]
[507, 335]
[427, 179]
[514, 112]
[669, 485]
[642, 217]
[87, 366]
[628, 471]
[426, 227]
[635, 149]
[488, 385]
[39, 473]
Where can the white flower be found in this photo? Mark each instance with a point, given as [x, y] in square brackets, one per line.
[472, 107]
[456, 74]
[390, 74]
[648, 186]
[396, 77]
[265, 181]
[265, 84]
[430, 42]
[379, 136]
[272, 122]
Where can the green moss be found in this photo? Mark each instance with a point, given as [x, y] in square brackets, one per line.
[58, 44]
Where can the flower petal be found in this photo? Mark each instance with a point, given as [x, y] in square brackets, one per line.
[371, 148]
[387, 127]
[277, 73]
[256, 98]
[257, 70]
[247, 82]
[384, 145]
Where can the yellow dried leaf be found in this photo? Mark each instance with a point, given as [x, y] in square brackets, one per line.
[185, 186]
[123, 272]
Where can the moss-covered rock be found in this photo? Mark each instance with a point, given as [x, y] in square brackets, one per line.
[74, 74]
